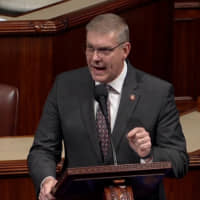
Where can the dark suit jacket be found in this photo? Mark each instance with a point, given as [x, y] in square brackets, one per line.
[69, 115]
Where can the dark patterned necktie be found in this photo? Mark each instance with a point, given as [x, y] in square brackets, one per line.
[103, 129]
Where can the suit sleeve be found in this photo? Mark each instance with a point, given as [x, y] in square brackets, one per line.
[46, 150]
[170, 144]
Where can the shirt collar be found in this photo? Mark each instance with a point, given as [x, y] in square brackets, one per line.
[117, 83]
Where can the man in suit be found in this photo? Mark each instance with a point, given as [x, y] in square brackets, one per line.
[143, 117]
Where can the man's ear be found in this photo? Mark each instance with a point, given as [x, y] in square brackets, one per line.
[126, 49]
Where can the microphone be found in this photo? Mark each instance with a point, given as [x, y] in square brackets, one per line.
[101, 96]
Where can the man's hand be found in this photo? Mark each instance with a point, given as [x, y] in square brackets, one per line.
[48, 184]
[139, 141]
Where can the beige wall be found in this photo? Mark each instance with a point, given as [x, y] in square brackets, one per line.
[191, 128]
[56, 10]
[25, 5]
[17, 148]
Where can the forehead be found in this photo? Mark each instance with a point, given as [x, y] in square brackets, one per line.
[101, 39]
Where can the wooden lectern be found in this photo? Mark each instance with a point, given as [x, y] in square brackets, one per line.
[110, 182]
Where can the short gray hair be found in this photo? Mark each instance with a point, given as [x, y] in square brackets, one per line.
[109, 22]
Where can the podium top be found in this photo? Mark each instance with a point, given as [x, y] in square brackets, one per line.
[107, 172]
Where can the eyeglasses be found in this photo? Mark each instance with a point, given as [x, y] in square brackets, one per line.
[102, 51]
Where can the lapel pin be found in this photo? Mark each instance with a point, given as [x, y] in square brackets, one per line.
[132, 97]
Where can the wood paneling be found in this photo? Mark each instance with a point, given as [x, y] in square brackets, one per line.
[187, 1]
[17, 187]
[33, 27]
[151, 38]
[186, 104]
[186, 188]
[26, 62]
[21, 187]
[186, 48]
[15, 182]
[34, 52]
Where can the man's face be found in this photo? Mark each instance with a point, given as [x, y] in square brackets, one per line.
[105, 56]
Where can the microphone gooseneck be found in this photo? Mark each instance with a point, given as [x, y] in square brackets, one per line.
[101, 96]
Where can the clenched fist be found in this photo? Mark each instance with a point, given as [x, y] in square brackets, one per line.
[140, 141]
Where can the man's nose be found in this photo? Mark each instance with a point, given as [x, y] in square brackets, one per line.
[96, 56]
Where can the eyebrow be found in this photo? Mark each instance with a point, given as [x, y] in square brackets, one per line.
[102, 47]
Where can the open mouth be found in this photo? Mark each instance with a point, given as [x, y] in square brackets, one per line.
[99, 68]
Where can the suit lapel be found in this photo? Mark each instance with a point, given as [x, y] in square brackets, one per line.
[87, 114]
[129, 99]
[125, 111]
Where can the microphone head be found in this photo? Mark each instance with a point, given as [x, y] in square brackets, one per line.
[100, 91]
[101, 95]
